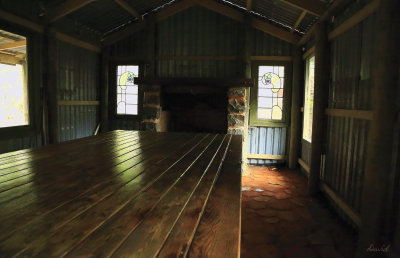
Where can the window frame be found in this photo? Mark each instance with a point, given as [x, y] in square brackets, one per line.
[31, 128]
[287, 87]
[305, 93]
[113, 88]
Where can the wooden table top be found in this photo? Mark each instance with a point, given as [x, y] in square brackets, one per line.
[123, 194]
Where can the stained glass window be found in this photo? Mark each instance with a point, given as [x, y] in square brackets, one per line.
[127, 91]
[308, 99]
[270, 92]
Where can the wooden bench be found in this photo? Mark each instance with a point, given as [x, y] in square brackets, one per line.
[123, 193]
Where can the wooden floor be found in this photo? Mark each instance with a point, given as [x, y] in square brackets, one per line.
[123, 194]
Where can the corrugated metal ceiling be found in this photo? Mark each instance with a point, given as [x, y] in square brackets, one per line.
[105, 16]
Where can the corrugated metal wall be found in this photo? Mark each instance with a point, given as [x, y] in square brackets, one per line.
[34, 139]
[352, 57]
[77, 79]
[198, 32]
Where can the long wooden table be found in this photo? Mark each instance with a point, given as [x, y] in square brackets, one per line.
[123, 194]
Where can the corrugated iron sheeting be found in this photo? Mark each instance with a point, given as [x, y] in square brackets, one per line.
[198, 32]
[77, 79]
[277, 11]
[20, 143]
[345, 160]
[265, 44]
[124, 124]
[306, 151]
[308, 21]
[101, 15]
[264, 140]
[352, 57]
[133, 46]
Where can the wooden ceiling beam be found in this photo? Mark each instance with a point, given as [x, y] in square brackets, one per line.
[127, 7]
[249, 5]
[314, 7]
[9, 59]
[222, 9]
[66, 8]
[174, 9]
[301, 17]
[12, 45]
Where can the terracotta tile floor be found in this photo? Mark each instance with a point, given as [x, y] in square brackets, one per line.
[280, 220]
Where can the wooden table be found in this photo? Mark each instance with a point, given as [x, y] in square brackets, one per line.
[123, 194]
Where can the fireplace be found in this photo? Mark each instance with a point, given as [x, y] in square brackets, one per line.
[194, 104]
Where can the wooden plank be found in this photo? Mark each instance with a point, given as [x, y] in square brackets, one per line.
[341, 203]
[361, 15]
[249, 4]
[77, 42]
[92, 206]
[295, 116]
[160, 220]
[142, 194]
[314, 7]
[270, 58]
[309, 52]
[21, 21]
[78, 103]
[12, 45]
[321, 82]
[127, 7]
[174, 9]
[298, 21]
[218, 233]
[66, 8]
[352, 113]
[304, 165]
[216, 82]
[9, 59]
[266, 156]
[181, 235]
[274, 31]
[227, 58]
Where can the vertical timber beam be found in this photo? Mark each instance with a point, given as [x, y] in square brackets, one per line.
[321, 81]
[377, 178]
[247, 74]
[51, 86]
[295, 111]
[105, 67]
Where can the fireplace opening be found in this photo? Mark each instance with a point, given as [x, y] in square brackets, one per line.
[192, 110]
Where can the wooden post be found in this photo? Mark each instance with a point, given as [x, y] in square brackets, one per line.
[295, 122]
[51, 85]
[321, 82]
[151, 43]
[247, 74]
[376, 207]
[105, 67]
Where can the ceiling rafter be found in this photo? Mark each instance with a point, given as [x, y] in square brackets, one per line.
[249, 5]
[301, 17]
[208, 4]
[12, 45]
[314, 7]
[127, 7]
[66, 8]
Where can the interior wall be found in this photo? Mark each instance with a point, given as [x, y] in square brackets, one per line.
[200, 32]
[78, 78]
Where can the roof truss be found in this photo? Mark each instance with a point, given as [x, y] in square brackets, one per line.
[67, 8]
[127, 7]
[314, 7]
[12, 45]
[211, 5]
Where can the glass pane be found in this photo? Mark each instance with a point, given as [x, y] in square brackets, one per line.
[131, 109]
[128, 98]
[270, 92]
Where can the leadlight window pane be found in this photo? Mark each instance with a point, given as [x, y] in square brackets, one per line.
[308, 98]
[127, 91]
[270, 92]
